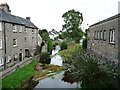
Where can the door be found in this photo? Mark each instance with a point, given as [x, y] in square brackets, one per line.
[20, 56]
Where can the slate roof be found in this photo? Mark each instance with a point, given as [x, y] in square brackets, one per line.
[6, 17]
[105, 20]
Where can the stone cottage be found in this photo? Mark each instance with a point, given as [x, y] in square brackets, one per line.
[104, 38]
[18, 37]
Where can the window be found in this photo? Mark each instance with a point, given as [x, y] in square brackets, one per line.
[9, 59]
[112, 36]
[20, 28]
[98, 36]
[14, 28]
[32, 31]
[0, 43]
[95, 35]
[14, 42]
[0, 26]
[101, 36]
[33, 39]
[104, 35]
[1, 61]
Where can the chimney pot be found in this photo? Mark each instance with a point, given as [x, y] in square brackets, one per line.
[28, 18]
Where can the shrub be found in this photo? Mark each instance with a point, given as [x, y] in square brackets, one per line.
[86, 68]
[63, 46]
[84, 43]
[49, 46]
[45, 59]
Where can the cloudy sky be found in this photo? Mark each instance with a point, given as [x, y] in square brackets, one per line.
[47, 14]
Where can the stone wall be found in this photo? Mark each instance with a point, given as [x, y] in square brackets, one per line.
[103, 47]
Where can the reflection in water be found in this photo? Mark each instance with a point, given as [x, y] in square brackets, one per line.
[55, 82]
[56, 60]
[62, 80]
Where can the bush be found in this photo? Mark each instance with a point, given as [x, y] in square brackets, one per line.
[84, 43]
[63, 46]
[45, 59]
[86, 68]
[49, 46]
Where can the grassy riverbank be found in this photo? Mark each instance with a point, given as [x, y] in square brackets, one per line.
[67, 53]
[16, 79]
[22, 77]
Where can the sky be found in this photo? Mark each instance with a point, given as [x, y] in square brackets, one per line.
[47, 14]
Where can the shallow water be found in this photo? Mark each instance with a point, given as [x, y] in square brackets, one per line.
[56, 80]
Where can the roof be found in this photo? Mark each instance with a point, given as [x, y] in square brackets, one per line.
[105, 20]
[7, 17]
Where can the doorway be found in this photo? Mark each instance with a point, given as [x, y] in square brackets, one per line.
[20, 56]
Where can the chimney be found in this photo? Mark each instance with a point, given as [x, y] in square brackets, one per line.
[28, 18]
[5, 7]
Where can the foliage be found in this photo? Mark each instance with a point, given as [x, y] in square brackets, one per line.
[63, 46]
[84, 43]
[93, 74]
[44, 34]
[45, 59]
[16, 79]
[49, 46]
[72, 48]
[73, 20]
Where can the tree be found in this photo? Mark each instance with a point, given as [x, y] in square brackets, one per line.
[73, 20]
[44, 34]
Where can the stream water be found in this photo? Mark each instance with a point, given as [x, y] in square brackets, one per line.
[56, 80]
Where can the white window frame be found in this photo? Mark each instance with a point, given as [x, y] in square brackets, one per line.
[14, 45]
[0, 43]
[20, 28]
[14, 28]
[1, 61]
[0, 26]
[104, 35]
[112, 36]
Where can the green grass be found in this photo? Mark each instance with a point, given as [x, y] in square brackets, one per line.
[72, 48]
[16, 79]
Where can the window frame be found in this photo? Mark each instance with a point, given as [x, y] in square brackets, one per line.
[0, 43]
[14, 45]
[0, 26]
[104, 35]
[1, 61]
[14, 29]
[112, 36]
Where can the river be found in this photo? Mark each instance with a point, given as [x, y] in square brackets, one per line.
[57, 81]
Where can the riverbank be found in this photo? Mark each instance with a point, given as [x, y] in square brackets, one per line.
[28, 76]
[16, 79]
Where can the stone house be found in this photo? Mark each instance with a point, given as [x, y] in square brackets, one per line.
[18, 37]
[104, 38]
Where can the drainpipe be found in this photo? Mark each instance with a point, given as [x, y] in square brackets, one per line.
[4, 45]
[4, 37]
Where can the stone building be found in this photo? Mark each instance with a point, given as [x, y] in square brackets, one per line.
[104, 38]
[18, 37]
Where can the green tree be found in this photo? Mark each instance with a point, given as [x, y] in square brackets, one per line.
[73, 20]
[45, 37]
[44, 34]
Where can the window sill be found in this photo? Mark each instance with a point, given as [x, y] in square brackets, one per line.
[14, 45]
[112, 43]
